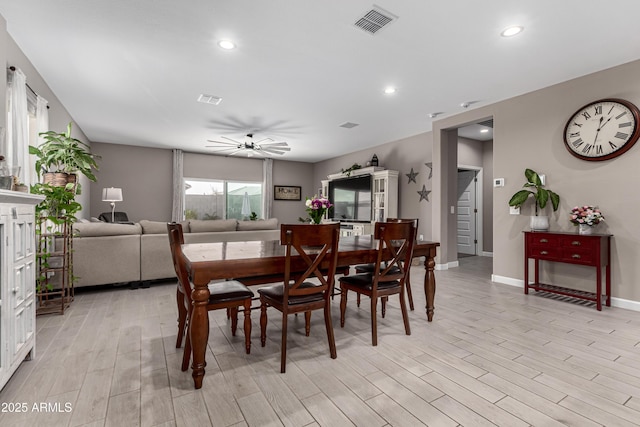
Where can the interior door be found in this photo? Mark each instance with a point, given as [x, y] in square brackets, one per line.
[467, 212]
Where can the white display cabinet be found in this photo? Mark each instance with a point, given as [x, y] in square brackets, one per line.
[384, 198]
[17, 280]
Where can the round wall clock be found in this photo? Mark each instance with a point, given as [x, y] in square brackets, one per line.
[602, 130]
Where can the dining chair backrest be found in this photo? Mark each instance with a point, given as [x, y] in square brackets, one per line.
[317, 248]
[176, 240]
[396, 239]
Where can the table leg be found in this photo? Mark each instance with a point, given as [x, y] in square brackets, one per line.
[430, 282]
[199, 331]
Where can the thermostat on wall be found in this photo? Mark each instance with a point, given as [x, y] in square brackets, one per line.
[498, 182]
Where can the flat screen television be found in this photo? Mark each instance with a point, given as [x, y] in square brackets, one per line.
[351, 199]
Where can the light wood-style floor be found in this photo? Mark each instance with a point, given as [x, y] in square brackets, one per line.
[492, 356]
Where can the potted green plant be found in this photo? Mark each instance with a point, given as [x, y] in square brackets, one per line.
[541, 196]
[60, 157]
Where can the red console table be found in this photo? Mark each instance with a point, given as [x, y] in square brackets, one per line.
[571, 248]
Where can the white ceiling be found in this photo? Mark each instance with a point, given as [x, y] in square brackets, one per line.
[129, 72]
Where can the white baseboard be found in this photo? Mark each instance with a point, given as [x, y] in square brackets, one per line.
[615, 302]
[489, 254]
[447, 266]
[507, 281]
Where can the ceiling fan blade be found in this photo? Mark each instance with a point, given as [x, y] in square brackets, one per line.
[264, 139]
[272, 152]
[276, 148]
[220, 149]
[232, 140]
[275, 144]
[223, 142]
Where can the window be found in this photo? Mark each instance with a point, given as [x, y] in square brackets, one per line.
[216, 199]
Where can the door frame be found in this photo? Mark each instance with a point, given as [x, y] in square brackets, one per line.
[479, 196]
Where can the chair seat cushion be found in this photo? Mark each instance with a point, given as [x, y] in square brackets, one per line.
[276, 292]
[368, 268]
[365, 281]
[228, 291]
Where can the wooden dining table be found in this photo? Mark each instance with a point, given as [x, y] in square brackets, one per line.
[260, 262]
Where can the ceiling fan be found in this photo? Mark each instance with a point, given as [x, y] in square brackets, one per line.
[264, 147]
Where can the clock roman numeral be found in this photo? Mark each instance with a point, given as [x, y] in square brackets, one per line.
[586, 115]
[612, 107]
[624, 125]
[613, 146]
[578, 142]
[574, 134]
[620, 115]
[599, 149]
[587, 148]
[577, 124]
[598, 109]
[621, 135]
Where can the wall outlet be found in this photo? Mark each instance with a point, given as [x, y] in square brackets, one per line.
[498, 182]
[514, 210]
[421, 238]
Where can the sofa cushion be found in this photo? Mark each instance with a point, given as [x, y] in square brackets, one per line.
[87, 229]
[262, 224]
[203, 226]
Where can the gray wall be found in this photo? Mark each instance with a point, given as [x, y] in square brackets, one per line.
[59, 117]
[528, 134]
[145, 176]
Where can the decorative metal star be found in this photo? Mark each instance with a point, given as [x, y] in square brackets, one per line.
[412, 176]
[430, 166]
[424, 194]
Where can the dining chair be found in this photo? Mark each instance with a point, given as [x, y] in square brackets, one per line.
[368, 268]
[389, 275]
[311, 253]
[229, 294]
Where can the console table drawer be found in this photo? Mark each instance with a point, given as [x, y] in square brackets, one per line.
[574, 255]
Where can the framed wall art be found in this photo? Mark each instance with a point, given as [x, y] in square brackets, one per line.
[287, 192]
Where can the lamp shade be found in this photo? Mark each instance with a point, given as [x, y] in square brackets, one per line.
[112, 194]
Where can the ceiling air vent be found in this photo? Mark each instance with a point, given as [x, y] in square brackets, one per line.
[487, 123]
[374, 20]
[209, 99]
[349, 125]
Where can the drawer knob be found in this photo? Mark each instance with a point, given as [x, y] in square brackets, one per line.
[575, 256]
[544, 253]
[575, 243]
[544, 241]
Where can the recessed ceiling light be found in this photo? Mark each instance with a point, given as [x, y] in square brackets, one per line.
[227, 44]
[512, 31]
[389, 90]
[484, 131]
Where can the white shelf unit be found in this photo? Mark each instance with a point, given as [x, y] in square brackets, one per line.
[384, 198]
[17, 280]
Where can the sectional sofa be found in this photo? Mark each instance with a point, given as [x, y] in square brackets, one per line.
[106, 253]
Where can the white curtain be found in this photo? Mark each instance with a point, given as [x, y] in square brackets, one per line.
[267, 191]
[42, 125]
[18, 124]
[177, 212]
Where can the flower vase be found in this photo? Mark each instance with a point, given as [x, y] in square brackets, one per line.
[585, 229]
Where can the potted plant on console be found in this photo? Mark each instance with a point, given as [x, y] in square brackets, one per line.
[534, 187]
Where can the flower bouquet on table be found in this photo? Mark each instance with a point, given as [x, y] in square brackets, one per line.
[316, 208]
[586, 215]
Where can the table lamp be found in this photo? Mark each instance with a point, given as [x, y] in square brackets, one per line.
[112, 195]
